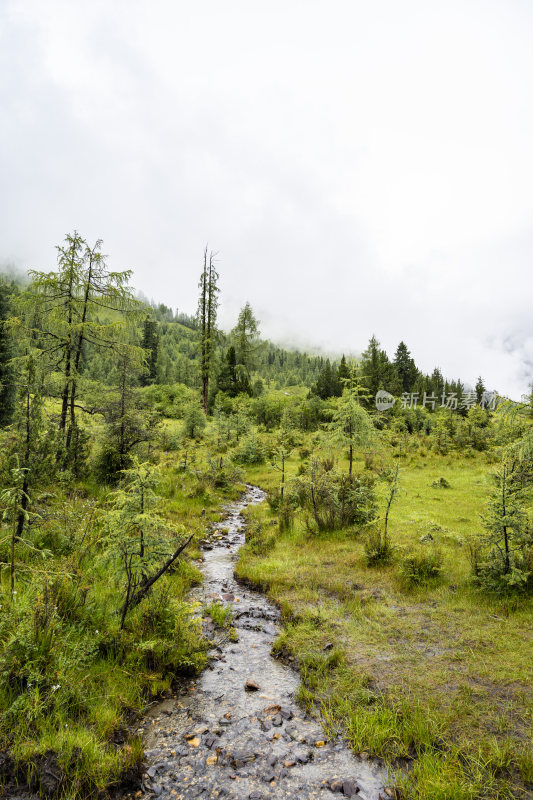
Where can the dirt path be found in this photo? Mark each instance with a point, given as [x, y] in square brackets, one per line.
[221, 739]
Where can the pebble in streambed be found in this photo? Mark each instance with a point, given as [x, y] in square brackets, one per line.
[236, 732]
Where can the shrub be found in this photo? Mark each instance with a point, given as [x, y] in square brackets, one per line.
[378, 550]
[286, 515]
[335, 501]
[260, 542]
[251, 450]
[221, 473]
[421, 566]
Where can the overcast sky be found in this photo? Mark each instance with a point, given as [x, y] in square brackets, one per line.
[361, 166]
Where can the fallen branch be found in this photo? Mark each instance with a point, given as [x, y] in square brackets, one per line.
[147, 584]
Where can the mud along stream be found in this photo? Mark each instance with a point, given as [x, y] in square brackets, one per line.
[220, 739]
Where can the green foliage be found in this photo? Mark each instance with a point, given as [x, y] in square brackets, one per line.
[169, 400]
[335, 501]
[506, 562]
[351, 426]
[194, 421]
[7, 373]
[377, 549]
[421, 566]
[245, 339]
[221, 473]
[259, 540]
[150, 344]
[221, 615]
[251, 450]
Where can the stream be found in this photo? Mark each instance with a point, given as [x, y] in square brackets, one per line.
[219, 738]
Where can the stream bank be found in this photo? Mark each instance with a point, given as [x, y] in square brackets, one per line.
[236, 732]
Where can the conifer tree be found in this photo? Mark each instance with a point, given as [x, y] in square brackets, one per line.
[245, 339]
[376, 369]
[343, 375]
[207, 315]
[351, 425]
[480, 390]
[405, 368]
[150, 344]
[61, 315]
[7, 388]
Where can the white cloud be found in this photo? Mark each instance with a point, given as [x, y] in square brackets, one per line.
[361, 168]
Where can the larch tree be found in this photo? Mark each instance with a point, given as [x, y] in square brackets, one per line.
[207, 316]
[351, 425]
[245, 339]
[7, 388]
[62, 314]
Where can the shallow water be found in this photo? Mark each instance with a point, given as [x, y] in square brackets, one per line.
[216, 739]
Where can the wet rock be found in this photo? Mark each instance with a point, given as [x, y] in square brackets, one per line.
[269, 710]
[247, 745]
[201, 730]
[349, 788]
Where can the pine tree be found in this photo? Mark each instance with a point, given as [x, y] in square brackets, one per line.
[150, 344]
[343, 375]
[405, 368]
[227, 380]
[376, 369]
[436, 383]
[480, 390]
[326, 382]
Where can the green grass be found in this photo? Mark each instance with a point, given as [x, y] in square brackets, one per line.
[69, 677]
[437, 674]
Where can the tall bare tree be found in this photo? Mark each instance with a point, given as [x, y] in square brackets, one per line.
[207, 316]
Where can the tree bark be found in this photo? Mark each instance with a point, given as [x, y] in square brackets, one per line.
[149, 582]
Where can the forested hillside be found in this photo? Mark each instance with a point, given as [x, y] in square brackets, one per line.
[396, 539]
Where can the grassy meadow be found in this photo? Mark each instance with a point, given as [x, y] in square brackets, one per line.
[436, 677]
